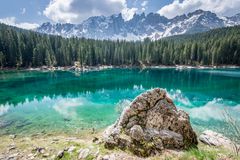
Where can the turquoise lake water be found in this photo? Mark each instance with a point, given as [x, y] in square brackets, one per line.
[65, 102]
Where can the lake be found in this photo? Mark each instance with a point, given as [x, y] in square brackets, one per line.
[67, 102]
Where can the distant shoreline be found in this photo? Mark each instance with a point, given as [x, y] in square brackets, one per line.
[102, 67]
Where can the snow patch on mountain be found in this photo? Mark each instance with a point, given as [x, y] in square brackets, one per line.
[141, 26]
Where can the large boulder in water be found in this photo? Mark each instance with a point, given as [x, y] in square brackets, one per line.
[150, 124]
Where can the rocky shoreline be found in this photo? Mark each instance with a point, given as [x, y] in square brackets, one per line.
[102, 67]
[90, 147]
[151, 128]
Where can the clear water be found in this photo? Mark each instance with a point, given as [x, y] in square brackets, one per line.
[64, 102]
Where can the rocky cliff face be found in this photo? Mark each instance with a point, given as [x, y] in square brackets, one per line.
[151, 124]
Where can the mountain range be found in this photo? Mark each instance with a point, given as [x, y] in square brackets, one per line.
[152, 25]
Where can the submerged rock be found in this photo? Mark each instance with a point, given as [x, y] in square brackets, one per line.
[150, 124]
[4, 124]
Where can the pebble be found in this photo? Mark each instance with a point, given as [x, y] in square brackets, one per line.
[31, 156]
[13, 156]
[40, 150]
[12, 148]
[46, 155]
[96, 153]
[55, 139]
[109, 157]
[71, 149]
[95, 139]
[83, 153]
[60, 154]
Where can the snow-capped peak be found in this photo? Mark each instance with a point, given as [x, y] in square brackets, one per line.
[140, 26]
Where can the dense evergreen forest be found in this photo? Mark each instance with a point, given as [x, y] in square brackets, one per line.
[22, 48]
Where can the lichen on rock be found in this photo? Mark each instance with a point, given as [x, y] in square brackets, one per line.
[151, 124]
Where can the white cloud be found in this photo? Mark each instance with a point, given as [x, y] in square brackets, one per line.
[75, 11]
[128, 13]
[12, 22]
[26, 25]
[213, 110]
[144, 3]
[8, 20]
[67, 107]
[23, 11]
[220, 7]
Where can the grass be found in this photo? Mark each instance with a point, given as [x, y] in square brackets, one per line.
[203, 152]
[199, 155]
[234, 125]
[208, 153]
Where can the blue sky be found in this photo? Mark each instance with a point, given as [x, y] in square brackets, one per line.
[14, 8]
[33, 8]
[30, 13]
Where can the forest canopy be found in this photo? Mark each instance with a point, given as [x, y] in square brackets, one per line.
[23, 48]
